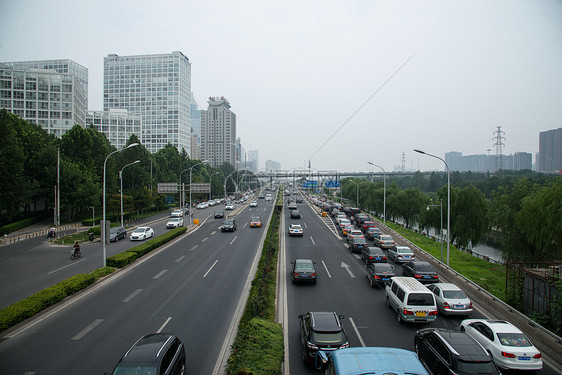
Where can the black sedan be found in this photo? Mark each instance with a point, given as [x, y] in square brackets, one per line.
[421, 271]
[357, 244]
[295, 214]
[219, 214]
[373, 255]
[379, 273]
[229, 225]
[303, 271]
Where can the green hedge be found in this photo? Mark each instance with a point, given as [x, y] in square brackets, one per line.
[12, 227]
[19, 311]
[129, 256]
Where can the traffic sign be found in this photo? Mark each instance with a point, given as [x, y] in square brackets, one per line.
[169, 199]
[167, 188]
[309, 184]
[332, 184]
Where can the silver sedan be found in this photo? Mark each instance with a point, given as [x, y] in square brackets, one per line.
[451, 300]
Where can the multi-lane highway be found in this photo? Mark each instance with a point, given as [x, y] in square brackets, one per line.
[191, 287]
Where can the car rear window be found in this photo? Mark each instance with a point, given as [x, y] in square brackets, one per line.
[386, 238]
[513, 339]
[421, 299]
[476, 367]
[424, 268]
[454, 294]
[327, 337]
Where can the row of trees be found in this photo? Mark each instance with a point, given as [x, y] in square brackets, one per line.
[526, 210]
[28, 171]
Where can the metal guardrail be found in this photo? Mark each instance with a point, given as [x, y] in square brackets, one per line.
[40, 233]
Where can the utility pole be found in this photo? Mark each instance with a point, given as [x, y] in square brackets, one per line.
[403, 162]
[499, 138]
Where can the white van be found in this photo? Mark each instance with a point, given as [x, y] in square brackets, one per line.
[412, 301]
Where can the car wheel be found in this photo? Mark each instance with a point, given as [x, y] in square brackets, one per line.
[117, 239]
[371, 282]
[399, 318]
[387, 302]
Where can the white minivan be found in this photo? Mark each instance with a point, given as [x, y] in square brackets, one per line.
[411, 300]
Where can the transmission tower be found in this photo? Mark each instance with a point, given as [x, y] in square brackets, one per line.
[403, 162]
[499, 138]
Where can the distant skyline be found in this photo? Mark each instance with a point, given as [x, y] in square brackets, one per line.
[294, 72]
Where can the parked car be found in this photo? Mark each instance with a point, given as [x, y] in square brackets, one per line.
[379, 273]
[295, 230]
[373, 255]
[255, 222]
[142, 233]
[509, 347]
[303, 270]
[321, 331]
[421, 271]
[219, 214]
[295, 214]
[371, 232]
[357, 244]
[451, 300]
[174, 223]
[401, 254]
[157, 353]
[384, 241]
[444, 351]
[229, 225]
[116, 233]
[253, 203]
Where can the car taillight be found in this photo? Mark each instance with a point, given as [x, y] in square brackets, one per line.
[384, 258]
[446, 305]
[470, 305]
[371, 258]
[313, 274]
[417, 276]
[376, 277]
[435, 276]
[537, 356]
[296, 274]
[346, 345]
[406, 312]
[433, 312]
[311, 345]
[508, 355]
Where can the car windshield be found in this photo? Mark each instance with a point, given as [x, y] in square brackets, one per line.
[296, 227]
[376, 252]
[327, 337]
[386, 238]
[229, 222]
[405, 251]
[359, 240]
[424, 268]
[113, 230]
[514, 339]
[139, 230]
[420, 299]
[476, 367]
[129, 369]
[454, 294]
[174, 220]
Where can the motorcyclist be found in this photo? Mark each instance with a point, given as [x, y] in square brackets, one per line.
[51, 233]
[76, 249]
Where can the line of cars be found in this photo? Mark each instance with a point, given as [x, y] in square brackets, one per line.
[480, 346]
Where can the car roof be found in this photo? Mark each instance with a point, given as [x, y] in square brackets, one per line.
[296, 225]
[148, 348]
[325, 321]
[376, 360]
[303, 261]
[464, 345]
[447, 286]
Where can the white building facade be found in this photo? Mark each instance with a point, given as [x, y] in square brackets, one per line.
[118, 125]
[159, 88]
[218, 133]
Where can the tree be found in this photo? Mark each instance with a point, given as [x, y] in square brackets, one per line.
[469, 216]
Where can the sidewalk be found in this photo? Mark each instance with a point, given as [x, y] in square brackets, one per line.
[39, 229]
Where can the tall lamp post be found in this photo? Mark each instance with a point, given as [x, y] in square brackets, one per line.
[356, 184]
[448, 198]
[190, 170]
[102, 226]
[211, 183]
[121, 178]
[384, 191]
[441, 233]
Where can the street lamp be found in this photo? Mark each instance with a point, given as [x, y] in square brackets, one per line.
[121, 178]
[448, 198]
[356, 184]
[441, 233]
[384, 191]
[190, 170]
[211, 183]
[102, 226]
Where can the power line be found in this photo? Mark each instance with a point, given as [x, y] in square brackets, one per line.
[361, 107]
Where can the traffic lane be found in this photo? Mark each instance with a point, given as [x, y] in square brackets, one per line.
[183, 291]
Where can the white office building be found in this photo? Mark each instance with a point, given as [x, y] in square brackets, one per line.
[118, 125]
[159, 88]
[218, 133]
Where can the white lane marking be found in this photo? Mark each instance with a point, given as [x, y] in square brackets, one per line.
[157, 276]
[87, 330]
[326, 268]
[234, 239]
[357, 332]
[179, 259]
[312, 239]
[68, 265]
[213, 232]
[244, 225]
[194, 247]
[131, 296]
[209, 270]
[305, 226]
[204, 239]
[346, 266]
[166, 323]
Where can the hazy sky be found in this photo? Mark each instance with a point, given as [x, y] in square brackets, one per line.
[295, 71]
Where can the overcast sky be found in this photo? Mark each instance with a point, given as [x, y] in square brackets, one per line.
[295, 71]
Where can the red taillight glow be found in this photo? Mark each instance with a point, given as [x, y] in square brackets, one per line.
[537, 356]
[446, 305]
[433, 312]
[508, 355]
[436, 276]
[376, 277]
[470, 305]
[313, 274]
[417, 276]
[371, 258]
[384, 258]
[296, 274]
[406, 312]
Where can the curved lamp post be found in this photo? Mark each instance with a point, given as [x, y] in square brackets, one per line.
[102, 227]
[190, 170]
[384, 191]
[448, 198]
[121, 178]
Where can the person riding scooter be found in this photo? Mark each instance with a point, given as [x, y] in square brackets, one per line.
[76, 249]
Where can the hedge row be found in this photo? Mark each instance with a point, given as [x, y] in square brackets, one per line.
[129, 256]
[19, 311]
[12, 227]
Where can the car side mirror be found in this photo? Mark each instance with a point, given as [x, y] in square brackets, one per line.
[341, 317]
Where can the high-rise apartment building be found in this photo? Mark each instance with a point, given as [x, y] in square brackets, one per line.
[195, 129]
[271, 166]
[52, 94]
[218, 133]
[550, 151]
[159, 88]
[118, 125]
[253, 160]
[522, 160]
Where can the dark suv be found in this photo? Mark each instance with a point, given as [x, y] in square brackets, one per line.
[229, 225]
[421, 271]
[321, 331]
[157, 353]
[444, 351]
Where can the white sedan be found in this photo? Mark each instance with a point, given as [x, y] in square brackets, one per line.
[295, 230]
[202, 205]
[229, 206]
[174, 223]
[142, 233]
[450, 299]
[253, 203]
[176, 213]
[509, 347]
